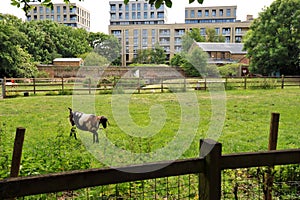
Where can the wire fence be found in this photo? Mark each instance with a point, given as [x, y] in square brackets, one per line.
[243, 183]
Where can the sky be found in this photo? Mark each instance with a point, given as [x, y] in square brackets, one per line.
[99, 10]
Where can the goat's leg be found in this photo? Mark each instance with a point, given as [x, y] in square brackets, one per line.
[95, 137]
[73, 130]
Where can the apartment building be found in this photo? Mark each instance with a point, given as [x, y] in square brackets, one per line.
[137, 33]
[71, 14]
[135, 13]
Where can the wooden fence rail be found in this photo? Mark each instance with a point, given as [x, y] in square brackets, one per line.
[12, 86]
[209, 166]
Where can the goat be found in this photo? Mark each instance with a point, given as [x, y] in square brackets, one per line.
[86, 122]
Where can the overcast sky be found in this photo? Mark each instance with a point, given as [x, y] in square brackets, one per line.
[99, 10]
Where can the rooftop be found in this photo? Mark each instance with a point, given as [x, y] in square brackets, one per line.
[233, 48]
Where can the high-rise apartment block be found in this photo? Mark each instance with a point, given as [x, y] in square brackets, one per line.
[70, 14]
[139, 25]
[136, 12]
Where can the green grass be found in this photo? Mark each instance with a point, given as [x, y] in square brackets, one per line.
[48, 147]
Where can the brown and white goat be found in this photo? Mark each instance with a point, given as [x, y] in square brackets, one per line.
[86, 122]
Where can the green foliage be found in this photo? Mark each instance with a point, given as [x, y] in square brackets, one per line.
[196, 64]
[273, 42]
[94, 59]
[178, 60]
[151, 56]
[109, 48]
[15, 61]
[23, 44]
[212, 37]
[229, 69]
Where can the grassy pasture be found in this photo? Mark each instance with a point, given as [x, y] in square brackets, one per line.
[246, 126]
[48, 147]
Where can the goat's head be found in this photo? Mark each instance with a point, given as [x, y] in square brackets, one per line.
[103, 120]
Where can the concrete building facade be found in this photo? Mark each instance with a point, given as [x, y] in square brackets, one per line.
[71, 14]
[134, 34]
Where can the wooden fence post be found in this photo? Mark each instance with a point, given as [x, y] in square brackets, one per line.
[4, 87]
[33, 80]
[245, 82]
[17, 153]
[282, 81]
[139, 85]
[90, 83]
[161, 85]
[62, 85]
[272, 146]
[210, 180]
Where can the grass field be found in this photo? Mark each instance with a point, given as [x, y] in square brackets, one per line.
[48, 147]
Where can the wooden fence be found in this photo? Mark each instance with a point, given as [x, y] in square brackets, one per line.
[209, 169]
[15, 86]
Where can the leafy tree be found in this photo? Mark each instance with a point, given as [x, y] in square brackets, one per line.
[151, 56]
[40, 44]
[15, 61]
[229, 69]
[273, 42]
[24, 4]
[196, 64]
[110, 48]
[143, 56]
[157, 55]
[211, 36]
[94, 59]
[178, 60]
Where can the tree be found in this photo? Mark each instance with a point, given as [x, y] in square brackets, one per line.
[94, 59]
[15, 61]
[110, 48]
[196, 64]
[157, 55]
[151, 56]
[25, 4]
[211, 36]
[273, 42]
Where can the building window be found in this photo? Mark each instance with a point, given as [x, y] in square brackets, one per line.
[127, 7]
[133, 15]
[217, 31]
[113, 16]
[133, 7]
[120, 6]
[160, 15]
[139, 6]
[145, 6]
[192, 13]
[221, 12]
[145, 15]
[41, 10]
[145, 33]
[139, 15]
[47, 10]
[126, 15]
[228, 12]
[113, 7]
[214, 13]
[186, 14]
[41, 17]
[58, 18]
[135, 33]
[206, 13]
[152, 15]
[58, 9]
[202, 31]
[120, 15]
[65, 9]
[199, 13]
